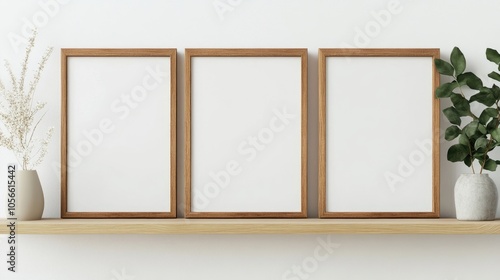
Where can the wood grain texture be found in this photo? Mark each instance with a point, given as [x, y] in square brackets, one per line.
[187, 133]
[189, 54]
[193, 52]
[435, 54]
[67, 53]
[392, 52]
[322, 133]
[173, 133]
[304, 129]
[323, 54]
[144, 52]
[64, 132]
[254, 226]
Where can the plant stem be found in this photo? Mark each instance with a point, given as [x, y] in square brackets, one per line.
[485, 154]
[472, 158]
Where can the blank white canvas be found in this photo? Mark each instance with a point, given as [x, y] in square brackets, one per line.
[128, 169]
[379, 134]
[233, 100]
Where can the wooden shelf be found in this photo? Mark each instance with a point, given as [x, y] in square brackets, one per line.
[253, 226]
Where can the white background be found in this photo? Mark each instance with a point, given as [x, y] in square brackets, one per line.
[378, 132]
[128, 163]
[471, 25]
[228, 109]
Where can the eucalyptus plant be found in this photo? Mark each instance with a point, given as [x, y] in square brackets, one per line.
[481, 134]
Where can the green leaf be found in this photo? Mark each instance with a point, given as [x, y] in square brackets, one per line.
[493, 56]
[452, 132]
[495, 134]
[471, 129]
[464, 140]
[461, 104]
[494, 75]
[481, 129]
[444, 67]
[479, 156]
[492, 112]
[487, 114]
[457, 59]
[471, 80]
[492, 145]
[496, 91]
[468, 160]
[452, 115]
[492, 125]
[481, 143]
[490, 165]
[457, 153]
[485, 96]
[445, 90]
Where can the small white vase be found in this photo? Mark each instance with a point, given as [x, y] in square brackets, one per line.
[476, 197]
[30, 200]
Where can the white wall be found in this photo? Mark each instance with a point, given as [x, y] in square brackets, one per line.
[471, 25]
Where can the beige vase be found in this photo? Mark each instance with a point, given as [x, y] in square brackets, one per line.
[476, 197]
[29, 194]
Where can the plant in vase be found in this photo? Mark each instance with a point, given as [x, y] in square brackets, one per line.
[475, 119]
[20, 117]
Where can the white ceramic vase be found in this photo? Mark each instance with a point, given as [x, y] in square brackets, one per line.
[30, 200]
[476, 197]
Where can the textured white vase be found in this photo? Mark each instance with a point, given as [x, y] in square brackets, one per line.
[476, 197]
[30, 200]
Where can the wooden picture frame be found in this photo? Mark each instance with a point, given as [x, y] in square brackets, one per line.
[246, 133]
[118, 133]
[378, 133]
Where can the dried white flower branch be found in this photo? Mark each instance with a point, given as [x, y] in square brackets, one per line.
[18, 114]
